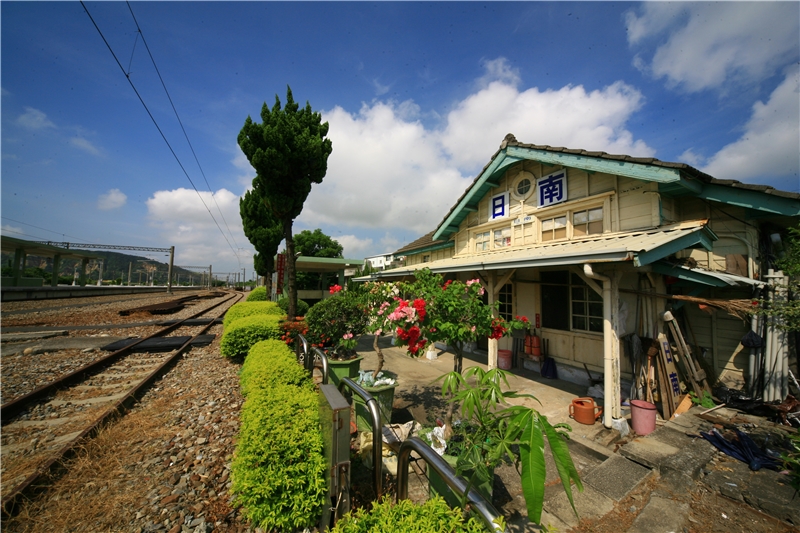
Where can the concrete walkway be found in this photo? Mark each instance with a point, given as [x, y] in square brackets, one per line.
[673, 453]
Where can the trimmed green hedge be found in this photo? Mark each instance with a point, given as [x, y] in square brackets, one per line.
[244, 309]
[241, 334]
[278, 472]
[434, 516]
[259, 294]
[271, 363]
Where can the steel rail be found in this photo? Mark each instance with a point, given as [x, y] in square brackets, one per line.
[12, 408]
[30, 484]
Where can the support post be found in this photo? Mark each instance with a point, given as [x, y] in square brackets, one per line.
[56, 267]
[100, 273]
[82, 277]
[210, 277]
[169, 271]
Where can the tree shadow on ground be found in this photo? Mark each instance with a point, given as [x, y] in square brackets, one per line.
[424, 404]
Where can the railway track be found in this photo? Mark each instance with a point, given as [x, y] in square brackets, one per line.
[45, 426]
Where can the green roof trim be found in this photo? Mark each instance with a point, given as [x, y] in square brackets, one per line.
[703, 236]
[431, 248]
[474, 194]
[596, 164]
[768, 203]
[687, 275]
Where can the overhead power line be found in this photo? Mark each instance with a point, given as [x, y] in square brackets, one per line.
[164, 85]
[37, 227]
[127, 77]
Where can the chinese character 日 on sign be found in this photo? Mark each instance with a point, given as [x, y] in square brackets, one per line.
[552, 188]
[500, 206]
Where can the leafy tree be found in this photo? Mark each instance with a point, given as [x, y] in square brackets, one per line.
[263, 231]
[317, 244]
[314, 244]
[289, 153]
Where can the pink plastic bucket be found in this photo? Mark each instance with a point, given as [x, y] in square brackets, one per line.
[504, 359]
[643, 417]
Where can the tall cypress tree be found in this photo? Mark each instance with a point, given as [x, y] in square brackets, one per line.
[263, 231]
[289, 153]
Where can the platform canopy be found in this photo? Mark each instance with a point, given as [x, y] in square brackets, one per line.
[22, 248]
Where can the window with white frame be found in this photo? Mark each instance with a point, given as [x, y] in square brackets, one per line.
[505, 302]
[482, 241]
[502, 237]
[587, 222]
[554, 228]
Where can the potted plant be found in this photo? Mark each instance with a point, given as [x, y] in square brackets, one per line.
[454, 312]
[487, 431]
[381, 384]
[335, 324]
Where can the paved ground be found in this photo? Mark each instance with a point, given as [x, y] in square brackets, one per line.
[661, 470]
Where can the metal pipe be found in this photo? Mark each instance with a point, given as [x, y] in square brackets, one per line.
[324, 359]
[377, 440]
[457, 484]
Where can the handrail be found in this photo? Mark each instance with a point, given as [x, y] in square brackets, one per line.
[377, 440]
[302, 340]
[487, 511]
[324, 359]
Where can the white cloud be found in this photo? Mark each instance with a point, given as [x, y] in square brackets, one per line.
[708, 45]
[768, 148]
[113, 199]
[85, 145]
[33, 119]
[569, 117]
[183, 221]
[389, 171]
[385, 171]
[354, 247]
[499, 70]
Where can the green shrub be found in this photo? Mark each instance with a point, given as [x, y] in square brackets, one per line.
[278, 471]
[302, 307]
[338, 321]
[244, 309]
[271, 363]
[241, 334]
[259, 294]
[406, 517]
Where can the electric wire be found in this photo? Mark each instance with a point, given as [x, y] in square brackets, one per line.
[164, 85]
[127, 77]
[43, 229]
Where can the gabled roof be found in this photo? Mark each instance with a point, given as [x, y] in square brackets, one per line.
[674, 179]
[424, 244]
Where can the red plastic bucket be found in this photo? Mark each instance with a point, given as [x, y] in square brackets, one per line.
[643, 417]
[504, 359]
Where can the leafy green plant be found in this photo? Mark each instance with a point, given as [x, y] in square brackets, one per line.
[259, 294]
[406, 517]
[706, 401]
[791, 461]
[245, 309]
[492, 428]
[338, 320]
[240, 335]
[271, 363]
[278, 471]
[302, 306]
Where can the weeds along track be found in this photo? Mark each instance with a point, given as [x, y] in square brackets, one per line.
[44, 426]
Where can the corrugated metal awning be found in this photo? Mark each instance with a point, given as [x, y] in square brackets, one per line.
[640, 247]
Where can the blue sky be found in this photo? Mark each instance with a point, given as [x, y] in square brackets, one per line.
[418, 97]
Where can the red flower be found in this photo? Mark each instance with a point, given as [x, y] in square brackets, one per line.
[335, 288]
[447, 283]
[419, 305]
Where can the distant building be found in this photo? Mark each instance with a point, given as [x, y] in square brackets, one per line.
[385, 261]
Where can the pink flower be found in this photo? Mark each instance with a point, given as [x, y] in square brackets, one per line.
[347, 336]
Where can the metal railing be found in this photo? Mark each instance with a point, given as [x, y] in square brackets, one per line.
[306, 358]
[457, 484]
[377, 434]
